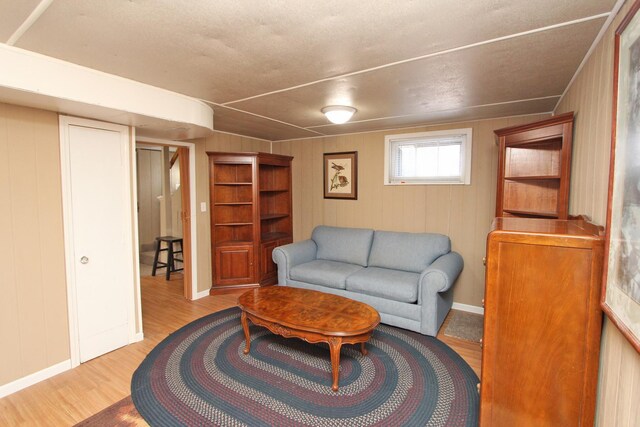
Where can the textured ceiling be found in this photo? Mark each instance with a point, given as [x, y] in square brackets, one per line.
[267, 67]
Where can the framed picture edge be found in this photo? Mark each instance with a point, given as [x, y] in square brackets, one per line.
[606, 308]
[354, 184]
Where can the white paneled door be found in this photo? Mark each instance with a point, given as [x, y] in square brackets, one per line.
[98, 228]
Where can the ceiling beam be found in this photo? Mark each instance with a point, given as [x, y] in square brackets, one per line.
[31, 19]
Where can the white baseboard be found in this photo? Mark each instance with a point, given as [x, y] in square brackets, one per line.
[36, 377]
[469, 308]
[201, 294]
[138, 337]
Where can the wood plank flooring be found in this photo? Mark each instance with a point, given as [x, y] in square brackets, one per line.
[72, 396]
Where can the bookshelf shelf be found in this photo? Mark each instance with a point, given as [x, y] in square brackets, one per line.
[534, 167]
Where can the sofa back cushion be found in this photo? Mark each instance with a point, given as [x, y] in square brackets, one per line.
[351, 245]
[407, 251]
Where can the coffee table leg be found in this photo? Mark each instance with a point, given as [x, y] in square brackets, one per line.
[245, 326]
[335, 344]
[363, 350]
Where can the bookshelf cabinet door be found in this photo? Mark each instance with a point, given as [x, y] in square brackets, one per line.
[268, 269]
[234, 265]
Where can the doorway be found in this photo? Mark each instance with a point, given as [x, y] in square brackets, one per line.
[98, 167]
[164, 194]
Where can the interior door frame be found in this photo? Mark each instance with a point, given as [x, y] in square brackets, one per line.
[190, 292]
[133, 301]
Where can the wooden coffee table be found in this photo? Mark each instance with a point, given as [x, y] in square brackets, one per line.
[309, 315]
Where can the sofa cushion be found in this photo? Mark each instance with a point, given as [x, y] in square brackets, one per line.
[332, 274]
[350, 245]
[395, 285]
[407, 251]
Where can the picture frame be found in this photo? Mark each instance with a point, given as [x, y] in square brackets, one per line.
[340, 175]
[621, 276]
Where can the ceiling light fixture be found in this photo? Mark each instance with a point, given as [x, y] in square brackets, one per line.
[338, 114]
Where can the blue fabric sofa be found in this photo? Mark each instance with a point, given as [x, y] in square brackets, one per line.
[407, 277]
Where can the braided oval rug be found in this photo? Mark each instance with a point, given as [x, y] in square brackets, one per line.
[199, 376]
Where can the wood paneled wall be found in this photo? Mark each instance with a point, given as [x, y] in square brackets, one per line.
[34, 329]
[463, 212]
[216, 142]
[34, 333]
[149, 177]
[590, 96]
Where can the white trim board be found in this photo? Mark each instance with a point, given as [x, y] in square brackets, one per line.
[202, 294]
[34, 378]
[135, 333]
[468, 308]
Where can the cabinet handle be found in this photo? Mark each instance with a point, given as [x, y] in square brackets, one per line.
[482, 302]
[478, 387]
[484, 260]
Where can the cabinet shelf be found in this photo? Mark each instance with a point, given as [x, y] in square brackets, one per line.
[232, 224]
[233, 183]
[531, 213]
[267, 217]
[234, 243]
[232, 203]
[267, 237]
[268, 190]
[533, 178]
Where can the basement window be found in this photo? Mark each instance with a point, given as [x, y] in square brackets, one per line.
[440, 157]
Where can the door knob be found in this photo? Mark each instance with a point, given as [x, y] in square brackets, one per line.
[84, 260]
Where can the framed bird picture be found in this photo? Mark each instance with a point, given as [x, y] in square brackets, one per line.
[341, 175]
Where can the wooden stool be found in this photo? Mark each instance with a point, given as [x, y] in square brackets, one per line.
[170, 265]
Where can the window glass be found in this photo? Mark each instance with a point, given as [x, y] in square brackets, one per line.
[428, 158]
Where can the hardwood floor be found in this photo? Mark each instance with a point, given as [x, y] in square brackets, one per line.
[72, 396]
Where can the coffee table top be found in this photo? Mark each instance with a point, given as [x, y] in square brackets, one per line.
[310, 311]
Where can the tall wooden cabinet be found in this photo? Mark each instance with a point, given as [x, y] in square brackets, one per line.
[534, 167]
[542, 323]
[250, 216]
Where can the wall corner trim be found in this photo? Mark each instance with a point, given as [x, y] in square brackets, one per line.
[468, 308]
[607, 23]
[36, 377]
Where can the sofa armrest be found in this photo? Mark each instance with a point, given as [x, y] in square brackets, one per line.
[288, 256]
[440, 275]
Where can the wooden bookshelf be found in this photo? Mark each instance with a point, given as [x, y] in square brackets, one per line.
[534, 169]
[251, 216]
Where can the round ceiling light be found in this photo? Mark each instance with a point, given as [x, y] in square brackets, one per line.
[338, 114]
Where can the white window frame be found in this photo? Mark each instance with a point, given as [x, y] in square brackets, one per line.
[465, 157]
